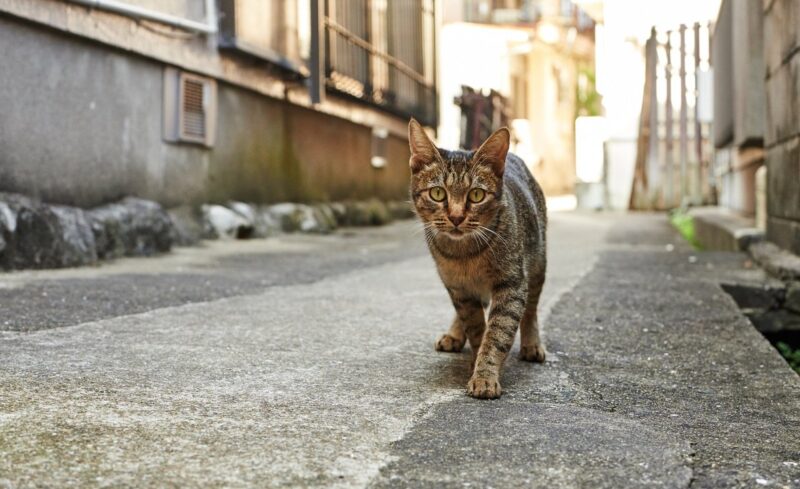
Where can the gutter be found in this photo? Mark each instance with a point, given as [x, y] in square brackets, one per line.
[124, 8]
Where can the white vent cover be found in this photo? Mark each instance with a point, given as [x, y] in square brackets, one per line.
[190, 108]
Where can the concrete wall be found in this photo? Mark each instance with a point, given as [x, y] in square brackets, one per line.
[782, 139]
[81, 124]
[739, 102]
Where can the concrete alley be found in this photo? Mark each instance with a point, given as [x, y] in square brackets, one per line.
[308, 361]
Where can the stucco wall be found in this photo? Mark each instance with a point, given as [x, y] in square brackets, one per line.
[782, 139]
[81, 124]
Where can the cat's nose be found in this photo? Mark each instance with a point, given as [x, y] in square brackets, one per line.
[456, 220]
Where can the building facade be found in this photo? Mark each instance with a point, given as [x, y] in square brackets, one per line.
[756, 124]
[537, 55]
[184, 101]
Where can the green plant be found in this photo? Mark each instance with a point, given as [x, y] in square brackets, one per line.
[792, 356]
[684, 223]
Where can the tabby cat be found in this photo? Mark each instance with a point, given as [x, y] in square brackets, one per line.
[484, 219]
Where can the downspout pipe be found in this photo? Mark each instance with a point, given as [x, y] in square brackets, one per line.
[123, 8]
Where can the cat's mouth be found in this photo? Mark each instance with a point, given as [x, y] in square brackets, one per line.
[456, 233]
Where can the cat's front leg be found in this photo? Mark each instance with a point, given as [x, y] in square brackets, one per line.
[508, 306]
[468, 320]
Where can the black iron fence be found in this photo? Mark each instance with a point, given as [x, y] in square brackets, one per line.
[383, 52]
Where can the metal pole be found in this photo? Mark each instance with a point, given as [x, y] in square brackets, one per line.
[697, 196]
[316, 63]
[668, 137]
[653, 171]
[684, 128]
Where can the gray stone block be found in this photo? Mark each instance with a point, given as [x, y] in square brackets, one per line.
[778, 262]
[366, 213]
[783, 98]
[35, 235]
[793, 297]
[783, 181]
[226, 223]
[187, 225]
[717, 228]
[400, 209]
[781, 35]
[131, 227]
[785, 233]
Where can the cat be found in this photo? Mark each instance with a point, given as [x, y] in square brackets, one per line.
[485, 220]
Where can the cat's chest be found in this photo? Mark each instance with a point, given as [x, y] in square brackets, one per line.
[474, 276]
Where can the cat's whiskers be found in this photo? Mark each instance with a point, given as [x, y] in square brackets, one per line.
[483, 238]
[496, 235]
[423, 226]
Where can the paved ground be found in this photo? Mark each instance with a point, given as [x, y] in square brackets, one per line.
[308, 361]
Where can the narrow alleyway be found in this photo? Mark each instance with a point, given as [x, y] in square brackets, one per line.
[309, 361]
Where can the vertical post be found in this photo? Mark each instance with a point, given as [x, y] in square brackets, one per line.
[669, 123]
[697, 196]
[684, 127]
[316, 87]
[653, 171]
[369, 85]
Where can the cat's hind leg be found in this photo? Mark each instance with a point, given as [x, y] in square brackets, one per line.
[531, 348]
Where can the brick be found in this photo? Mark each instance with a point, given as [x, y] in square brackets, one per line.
[783, 99]
[783, 180]
[781, 34]
[784, 233]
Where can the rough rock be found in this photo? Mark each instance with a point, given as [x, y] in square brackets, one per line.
[326, 217]
[776, 261]
[8, 223]
[76, 232]
[35, 235]
[131, 227]
[339, 212]
[187, 225]
[227, 223]
[774, 321]
[793, 297]
[367, 213]
[299, 217]
[400, 209]
[264, 225]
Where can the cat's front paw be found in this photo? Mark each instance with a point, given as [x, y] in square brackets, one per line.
[532, 353]
[483, 388]
[449, 343]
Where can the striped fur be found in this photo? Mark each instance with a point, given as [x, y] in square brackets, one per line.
[495, 258]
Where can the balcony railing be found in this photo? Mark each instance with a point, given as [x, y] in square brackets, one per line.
[382, 52]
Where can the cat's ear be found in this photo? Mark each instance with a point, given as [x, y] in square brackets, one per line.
[423, 151]
[493, 151]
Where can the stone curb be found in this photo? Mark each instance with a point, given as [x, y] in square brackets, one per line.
[717, 228]
[36, 235]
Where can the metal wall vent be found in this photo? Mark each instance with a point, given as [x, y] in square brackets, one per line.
[190, 108]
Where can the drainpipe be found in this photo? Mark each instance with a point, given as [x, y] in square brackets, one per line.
[123, 8]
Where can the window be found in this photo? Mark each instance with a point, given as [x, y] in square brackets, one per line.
[277, 31]
[190, 107]
[382, 52]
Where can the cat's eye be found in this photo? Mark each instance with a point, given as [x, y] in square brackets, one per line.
[476, 195]
[438, 194]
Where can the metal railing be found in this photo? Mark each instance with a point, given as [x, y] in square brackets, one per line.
[674, 151]
[382, 52]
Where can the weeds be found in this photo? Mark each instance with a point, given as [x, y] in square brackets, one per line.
[684, 223]
[791, 356]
